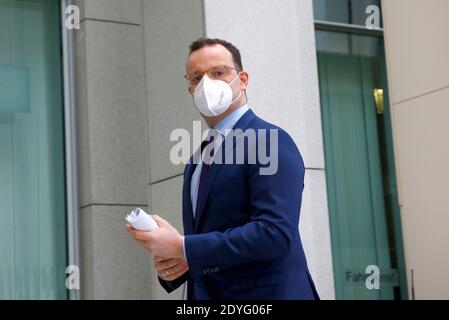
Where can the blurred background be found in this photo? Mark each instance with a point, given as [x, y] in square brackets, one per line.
[86, 114]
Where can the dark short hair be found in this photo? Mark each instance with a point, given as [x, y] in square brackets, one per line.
[204, 42]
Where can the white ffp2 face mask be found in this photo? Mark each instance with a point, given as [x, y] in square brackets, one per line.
[213, 97]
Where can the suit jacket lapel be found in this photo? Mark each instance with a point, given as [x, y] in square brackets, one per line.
[215, 167]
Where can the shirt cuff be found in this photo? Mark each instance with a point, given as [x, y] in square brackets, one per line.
[184, 247]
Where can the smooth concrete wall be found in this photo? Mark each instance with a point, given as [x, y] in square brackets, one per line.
[277, 42]
[417, 49]
[113, 150]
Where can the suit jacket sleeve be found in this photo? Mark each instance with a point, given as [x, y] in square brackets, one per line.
[170, 286]
[275, 202]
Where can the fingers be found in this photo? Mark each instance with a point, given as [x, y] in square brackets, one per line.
[172, 270]
[173, 276]
[166, 264]
[160, 221]
[159, 259]
[140, 235]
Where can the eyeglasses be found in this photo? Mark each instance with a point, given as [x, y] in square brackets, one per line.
[220, 72]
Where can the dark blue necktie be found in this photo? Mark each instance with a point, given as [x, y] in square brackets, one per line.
[204, 169]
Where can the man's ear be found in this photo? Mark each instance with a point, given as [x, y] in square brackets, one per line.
[244, 78]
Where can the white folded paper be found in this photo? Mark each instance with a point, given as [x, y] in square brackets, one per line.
[140, 220]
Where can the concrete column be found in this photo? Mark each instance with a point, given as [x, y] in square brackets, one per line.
[113, 149]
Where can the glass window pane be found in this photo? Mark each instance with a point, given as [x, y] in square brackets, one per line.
[363, 204]
[343, 11]
[33, 253]
[14, 89]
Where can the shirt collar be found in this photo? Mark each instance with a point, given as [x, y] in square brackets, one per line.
[230, 121]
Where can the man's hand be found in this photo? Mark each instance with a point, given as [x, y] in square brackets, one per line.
[165, 241]
[170, 269]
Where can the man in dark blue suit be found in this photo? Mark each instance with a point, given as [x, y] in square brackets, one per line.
[240, 212]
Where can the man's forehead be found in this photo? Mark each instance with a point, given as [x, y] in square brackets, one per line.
[201, 60]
